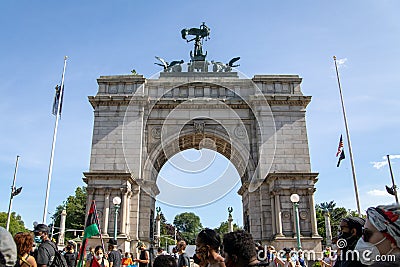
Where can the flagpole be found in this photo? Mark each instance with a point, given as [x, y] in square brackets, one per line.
[54, 143]
[12, 194]
[393, 184]
[348, 141]
[98, 224]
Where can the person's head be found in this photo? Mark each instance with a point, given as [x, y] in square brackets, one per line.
[164, 261]
[127, 255]
[8, 249]
[287, 252]
[141, 246]
[160, 250]
[91, 250]
[351, 231]
[98, 252]
[41, 232]
[112, 244]
[69, 248]
[174, 250]
[381, 233]
[207, 241]
[24, 242]
[239, 249]
[181, 246]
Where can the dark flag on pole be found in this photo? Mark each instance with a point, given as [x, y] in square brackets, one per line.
[342, 156]
[16, 191]
[57, 99]
[91, 229]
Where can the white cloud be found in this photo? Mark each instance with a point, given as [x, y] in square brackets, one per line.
[379, 164]
[377, 193]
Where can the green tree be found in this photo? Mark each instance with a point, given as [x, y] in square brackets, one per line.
[76, 208]
[336, 215]
[168, 232]
[189, 225]
[223, 228]
[16, 223]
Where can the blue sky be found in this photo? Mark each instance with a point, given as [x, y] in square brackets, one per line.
[271, 37]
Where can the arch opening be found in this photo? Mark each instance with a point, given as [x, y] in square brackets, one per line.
[207, 191]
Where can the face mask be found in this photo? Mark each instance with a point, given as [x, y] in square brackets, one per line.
[37, 239]
[98, 257]
[367, 251]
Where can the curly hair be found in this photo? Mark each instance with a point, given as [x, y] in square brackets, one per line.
[209, 237]
[24, 242]
[239, 243]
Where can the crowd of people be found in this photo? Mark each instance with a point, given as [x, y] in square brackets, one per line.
[376, 240]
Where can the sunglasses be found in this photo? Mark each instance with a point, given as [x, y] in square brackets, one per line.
[367, 233]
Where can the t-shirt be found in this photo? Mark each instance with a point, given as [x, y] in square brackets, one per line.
[70, 258]
[183, 260]
[115, 257]
[127, 261]
[45, 253]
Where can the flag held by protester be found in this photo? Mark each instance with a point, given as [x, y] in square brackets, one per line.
[91, 229]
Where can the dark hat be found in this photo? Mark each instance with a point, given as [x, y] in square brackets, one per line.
[41, 228]
[113, 242]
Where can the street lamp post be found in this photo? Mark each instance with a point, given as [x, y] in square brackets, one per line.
[294, 198]
[116, 202]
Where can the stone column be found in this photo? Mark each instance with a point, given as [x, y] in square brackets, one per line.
[62, 228]
[230, 225]
[273, 220]
[328, 228]
[278, 216]
[314, 228]
[106, 211]
[128, 212]
[124, 192]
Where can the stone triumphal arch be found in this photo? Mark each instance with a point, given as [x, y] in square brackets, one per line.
[257, 123]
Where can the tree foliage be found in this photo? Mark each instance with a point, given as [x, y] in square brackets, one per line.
[189, 226]
[223, 228]
[168, 232]
[16, 223]
[336, 215]
[76, 207]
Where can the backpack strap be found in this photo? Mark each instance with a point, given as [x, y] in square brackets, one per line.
[24, 260]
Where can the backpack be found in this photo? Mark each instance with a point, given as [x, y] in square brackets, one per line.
[58, 260]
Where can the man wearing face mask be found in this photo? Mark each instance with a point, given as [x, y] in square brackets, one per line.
[380, 242]
[350, 232]
[46, 250]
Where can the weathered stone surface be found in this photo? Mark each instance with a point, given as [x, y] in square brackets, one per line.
[259, 123]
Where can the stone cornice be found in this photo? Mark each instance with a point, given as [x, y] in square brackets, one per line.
[293, 176]
[276, 78]
[171, 103]
[121, 78]
[116, 100]
[109, 175]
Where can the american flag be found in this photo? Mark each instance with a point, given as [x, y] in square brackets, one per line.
[340, 147]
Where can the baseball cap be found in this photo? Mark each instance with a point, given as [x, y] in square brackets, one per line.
[41, 228]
